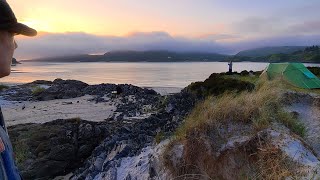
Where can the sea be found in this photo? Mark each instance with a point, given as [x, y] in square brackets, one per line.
[143, 74]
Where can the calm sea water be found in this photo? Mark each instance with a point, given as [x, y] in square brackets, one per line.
[140, 74]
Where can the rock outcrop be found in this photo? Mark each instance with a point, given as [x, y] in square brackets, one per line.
[41, 90]
[133, 135]
[44, 151]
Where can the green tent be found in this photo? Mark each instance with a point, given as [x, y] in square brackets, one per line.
[294, 73]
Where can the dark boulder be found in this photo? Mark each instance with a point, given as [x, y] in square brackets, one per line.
[62, 89]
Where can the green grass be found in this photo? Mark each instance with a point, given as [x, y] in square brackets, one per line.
[248, 78]
[21, 151]
[3, 87]
[37, 90]
[291, 122]
[159, 137]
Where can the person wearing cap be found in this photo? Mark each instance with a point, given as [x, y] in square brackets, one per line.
[9, 27]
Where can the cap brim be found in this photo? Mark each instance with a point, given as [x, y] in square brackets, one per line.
[23, 30]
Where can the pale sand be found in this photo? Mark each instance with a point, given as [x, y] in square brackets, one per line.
[45, 111]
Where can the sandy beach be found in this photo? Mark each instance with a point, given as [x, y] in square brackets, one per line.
[21, 112]
[45, 111]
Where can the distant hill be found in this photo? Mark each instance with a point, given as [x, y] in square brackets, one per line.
[162, 56]
[307, 55]
[140, 56]
[265, 51]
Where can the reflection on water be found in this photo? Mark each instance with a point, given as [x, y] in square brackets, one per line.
[140, 74]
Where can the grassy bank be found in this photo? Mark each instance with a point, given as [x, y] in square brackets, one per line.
[234, 114]
[259, 108]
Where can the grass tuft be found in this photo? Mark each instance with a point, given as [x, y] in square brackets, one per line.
[3, 87]
[37, 90]
[21, 151]
[270, 163]
[159, 137]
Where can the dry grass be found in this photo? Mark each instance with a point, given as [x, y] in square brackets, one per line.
[257, 109]
[248, 78]
[271, 164]
[257, 159]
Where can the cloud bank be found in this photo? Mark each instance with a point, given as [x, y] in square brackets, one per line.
[73, 43]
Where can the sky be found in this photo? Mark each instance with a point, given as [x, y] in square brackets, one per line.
[68, 27]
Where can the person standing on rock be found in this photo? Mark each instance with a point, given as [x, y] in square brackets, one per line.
[9, 27]
[230, 64]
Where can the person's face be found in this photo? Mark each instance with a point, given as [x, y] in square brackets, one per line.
[7, 47]
[11, 44]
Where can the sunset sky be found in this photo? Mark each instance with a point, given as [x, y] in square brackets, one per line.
[223, 26]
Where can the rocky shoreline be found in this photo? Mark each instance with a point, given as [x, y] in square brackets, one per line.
[141, 114]
[129, 140]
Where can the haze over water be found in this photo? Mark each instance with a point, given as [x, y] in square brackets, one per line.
[140, 74]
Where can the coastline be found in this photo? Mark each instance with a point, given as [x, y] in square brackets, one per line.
[83, 107]
[60, 123]
[126, 127]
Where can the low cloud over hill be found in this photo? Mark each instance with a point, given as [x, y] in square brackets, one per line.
[73, 43]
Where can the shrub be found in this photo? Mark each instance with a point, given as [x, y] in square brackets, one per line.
[217, 84]
[244, 73]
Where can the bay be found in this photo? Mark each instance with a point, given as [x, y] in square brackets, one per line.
[144, 74]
